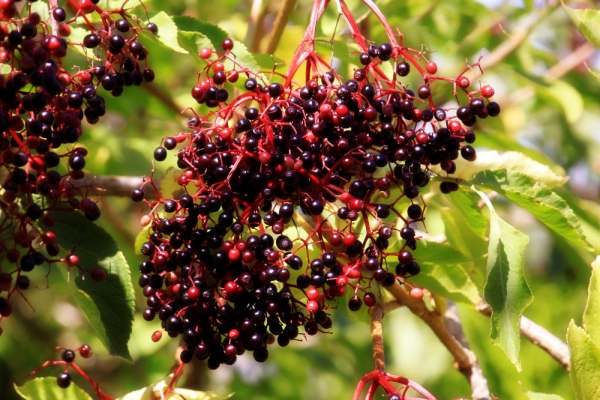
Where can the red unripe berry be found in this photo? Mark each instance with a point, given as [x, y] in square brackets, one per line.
[48, 237]
[53, 43]
[218, 67]
[356, 205]
[231, 287]
[312, 293]
[234, 254]
[454, 126]
[156, 336]
[312, 306]
[370, 299]
[247, 256]
[193, 293]
[463, 82]
[225, 133]
[487, 91]
[352, 272]
[234, 334]
[205, 53]
[87, 6]
[349, 239]
[336, 239]
[85, 351]
[341, 281]
[233, 76]
[342, 110]
[431, 67]
[71, 260]
[422, 137]
[345, 197]
[416, 293]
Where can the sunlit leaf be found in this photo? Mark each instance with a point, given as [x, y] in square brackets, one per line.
[536, 198]
[47, 389]
[587, 22]
[157, 391]
[506, 290]
[591, 315]
[585, 363]
[167, 32]
[447, 280]
[108, 304]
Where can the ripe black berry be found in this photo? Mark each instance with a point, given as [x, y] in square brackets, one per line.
[63, 380]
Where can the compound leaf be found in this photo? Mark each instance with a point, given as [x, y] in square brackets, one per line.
[108, 304]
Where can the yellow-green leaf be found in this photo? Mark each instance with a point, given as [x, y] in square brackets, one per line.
[585, 363]
[47, 389]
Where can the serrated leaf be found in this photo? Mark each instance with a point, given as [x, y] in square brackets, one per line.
[514, 161]
[593, 73]
[552, 210]
[467, 204]
[587, 22]
[195, 33]
[109, 304]
[585, 363]
[591, 315]
[542, 396]
[448, 280]
[156, 392]
[47, 389]
[167, 32]
[506, 290]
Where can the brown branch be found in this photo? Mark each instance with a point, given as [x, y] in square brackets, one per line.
[256, 20]
[465, 359]
[516, 38]
[479, 385]
[376, 313]
[119, 186]
[282, 19]
[538, 336]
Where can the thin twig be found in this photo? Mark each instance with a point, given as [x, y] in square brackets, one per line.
[479, 385]
[464, 358]
[517, 38]
[376, 313]
[538, 336]
[282, 19]
[119, 186]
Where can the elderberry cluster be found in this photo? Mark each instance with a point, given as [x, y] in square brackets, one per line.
[42, 108]
[291, 196]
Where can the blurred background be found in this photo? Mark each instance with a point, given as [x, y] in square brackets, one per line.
[534, 58]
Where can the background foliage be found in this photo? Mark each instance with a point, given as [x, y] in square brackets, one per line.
[550, 113]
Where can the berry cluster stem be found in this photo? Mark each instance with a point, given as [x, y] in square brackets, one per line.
[376, 313]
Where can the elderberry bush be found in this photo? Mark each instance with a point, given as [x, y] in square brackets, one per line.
[43, 106]
[291, 194]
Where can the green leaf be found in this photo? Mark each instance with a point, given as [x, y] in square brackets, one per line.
[167, 32]
[169, 188]
[155, 391]
[109, 304]
[467, 204]
[47, 389]
[542, 396]
[587, 22]
[41, 8]
[536, 198]
[467, 242]
[196, 34]
[448, 280]
[506, 290]
[591, 315]
[585, 363]
[437, 253]
[513, 161]
[594, 74]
